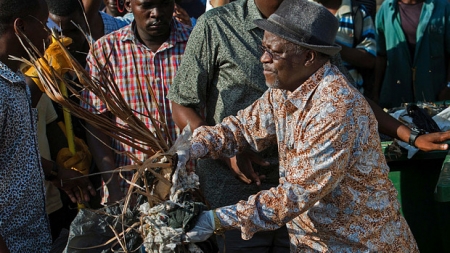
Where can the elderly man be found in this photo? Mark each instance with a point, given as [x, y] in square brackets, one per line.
[334, 193]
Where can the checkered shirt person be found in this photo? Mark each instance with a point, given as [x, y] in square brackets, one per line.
[133, 64]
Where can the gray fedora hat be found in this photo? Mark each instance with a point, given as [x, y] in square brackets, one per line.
[304, 23]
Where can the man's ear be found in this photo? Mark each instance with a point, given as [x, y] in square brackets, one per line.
[19, 25]
[310, 57]
[128, 5]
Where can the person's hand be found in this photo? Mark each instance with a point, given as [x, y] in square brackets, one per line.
[217, 3]
[432, 141]
[203, 229]
[54, 57]
[242, 168]
[444, 94]
[78, 189]
[80, 161]
[181, 15]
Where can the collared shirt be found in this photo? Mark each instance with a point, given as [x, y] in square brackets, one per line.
[134, 65]
[421, 78]
[24, 224]
[334, 193]
[221, 74]
[346, 35]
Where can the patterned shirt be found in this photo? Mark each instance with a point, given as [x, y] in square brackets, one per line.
[334, 193]
[220, 75]
[345, 35]
[24, 224]
[133, 64]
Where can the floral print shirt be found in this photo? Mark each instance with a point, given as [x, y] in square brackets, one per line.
[334, 194]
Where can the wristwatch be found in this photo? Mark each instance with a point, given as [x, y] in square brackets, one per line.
[415, 132]
[53, 173]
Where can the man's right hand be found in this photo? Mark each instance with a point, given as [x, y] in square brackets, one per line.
[78, 189]
[242, 168]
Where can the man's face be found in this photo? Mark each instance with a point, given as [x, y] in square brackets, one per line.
[35, 30]
[68, 29]
[153, 17]
[113, 8]
[283, 68]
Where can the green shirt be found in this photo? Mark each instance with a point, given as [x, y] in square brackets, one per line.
[430, 57]
[219, 75]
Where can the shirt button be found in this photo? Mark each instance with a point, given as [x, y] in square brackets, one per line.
[398, 82]
[158, 79]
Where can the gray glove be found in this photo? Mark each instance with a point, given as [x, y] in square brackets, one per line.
[203, 229]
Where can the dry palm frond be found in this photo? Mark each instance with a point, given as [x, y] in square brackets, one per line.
[154, 172]
[132, 132]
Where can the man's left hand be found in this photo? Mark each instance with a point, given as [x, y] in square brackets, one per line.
[241, 166]
[432, 141]
[203, 229]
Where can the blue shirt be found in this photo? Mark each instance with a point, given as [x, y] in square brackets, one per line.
[24, 224]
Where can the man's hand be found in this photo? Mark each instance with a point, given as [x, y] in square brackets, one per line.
[79, 189]
[432, 141]
[242, 168]
[54, 58]
[80, 161]
[203, 229]
[181, 15]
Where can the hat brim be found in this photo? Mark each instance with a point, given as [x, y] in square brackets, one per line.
[280, 32]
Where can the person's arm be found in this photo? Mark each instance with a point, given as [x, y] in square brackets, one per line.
[104, 159]
[390, 126]
[313, 169]
[94, 19]
[380, 70]
[358, 57]
[3, 247]
[362, 54]
[445, 93]
[240, 164]
[217, 3]
[182, 115]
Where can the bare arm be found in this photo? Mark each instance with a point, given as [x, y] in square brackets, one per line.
[394, 128]
[182, 115]
[94, 20]
[3, 248]
[104, 159]
[380, 70]
[445, 93]
[358, 57]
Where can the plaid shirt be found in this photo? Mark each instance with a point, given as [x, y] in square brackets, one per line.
[133, 64]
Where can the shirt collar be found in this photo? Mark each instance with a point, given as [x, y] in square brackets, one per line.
[178, 33]
[345, 8]
[302, 94]
[9, 75]
[253, 14]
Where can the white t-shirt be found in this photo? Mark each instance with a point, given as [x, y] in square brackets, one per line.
[46, 115]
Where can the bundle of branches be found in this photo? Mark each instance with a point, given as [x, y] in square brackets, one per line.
[159, 184]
